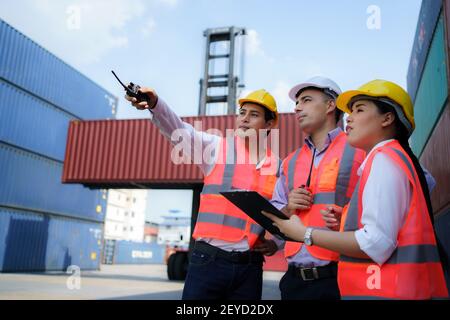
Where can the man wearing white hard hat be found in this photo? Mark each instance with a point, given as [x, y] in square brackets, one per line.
[316, 181]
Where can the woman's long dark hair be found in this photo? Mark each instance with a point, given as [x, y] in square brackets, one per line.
[402, 137]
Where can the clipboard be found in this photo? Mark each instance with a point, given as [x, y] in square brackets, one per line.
[252, 203]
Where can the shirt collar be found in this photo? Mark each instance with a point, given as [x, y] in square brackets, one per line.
[379, 144]
[330, 137]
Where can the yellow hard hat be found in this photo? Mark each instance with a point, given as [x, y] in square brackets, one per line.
[263, 98]
[382, 89]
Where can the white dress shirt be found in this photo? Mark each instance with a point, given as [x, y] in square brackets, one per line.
[167, 122]
[385, 202]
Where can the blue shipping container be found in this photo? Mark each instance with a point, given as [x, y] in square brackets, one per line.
[428, 17]
[33, 182]
[31, 123]
[442, 225]
[37, 242]
[127, 252]
[433, 91]
[30, 67]
[44, 225]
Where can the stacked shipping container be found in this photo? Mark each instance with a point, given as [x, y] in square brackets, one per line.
[128, 252]
[44, 225]
[133, 153]
[428, 84]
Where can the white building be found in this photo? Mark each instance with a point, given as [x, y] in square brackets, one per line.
[175, 230]
[125, 215]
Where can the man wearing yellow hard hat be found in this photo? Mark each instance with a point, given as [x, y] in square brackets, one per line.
[387, 245]
[223, 264]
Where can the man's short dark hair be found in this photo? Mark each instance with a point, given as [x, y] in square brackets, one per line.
[269, 115]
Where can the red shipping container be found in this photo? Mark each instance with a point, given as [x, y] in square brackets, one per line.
[134, 154]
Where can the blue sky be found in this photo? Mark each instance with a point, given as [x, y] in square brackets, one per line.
[160, 43]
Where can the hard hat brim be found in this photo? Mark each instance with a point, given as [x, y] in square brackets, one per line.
[295, 90]
[246, 100]
[342, 102]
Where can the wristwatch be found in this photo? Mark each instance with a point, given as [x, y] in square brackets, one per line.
[307, 238]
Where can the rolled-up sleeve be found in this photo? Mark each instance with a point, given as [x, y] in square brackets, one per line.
[280, 200]
[431, 182]
[280, 193]
[278, 241]
[385, 201]
[196, 142]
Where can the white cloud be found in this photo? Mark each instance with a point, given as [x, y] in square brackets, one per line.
[280, 93]
[253, 43]
[82, 32]
[103, 26]
[148, 27]
[170, 3]
[254, 47]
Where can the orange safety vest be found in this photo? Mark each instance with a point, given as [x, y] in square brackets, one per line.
[414, 270]
[217, 217]
[332, 183]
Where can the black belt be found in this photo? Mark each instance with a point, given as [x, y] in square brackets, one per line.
[231, 256]
[316, 273]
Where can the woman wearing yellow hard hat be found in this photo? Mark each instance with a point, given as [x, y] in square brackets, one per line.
[387, 243]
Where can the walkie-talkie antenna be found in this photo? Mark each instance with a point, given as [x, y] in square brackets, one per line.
[133, 90]
[308, 182]
[126, 88]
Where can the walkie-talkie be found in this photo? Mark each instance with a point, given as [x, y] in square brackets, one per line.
[307, 186]
[132, 90]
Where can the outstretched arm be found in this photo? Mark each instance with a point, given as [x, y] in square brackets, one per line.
[168, 122]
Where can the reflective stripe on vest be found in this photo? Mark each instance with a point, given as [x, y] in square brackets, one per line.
[344, 175]
[414, 269]
[220, 219]
[351, 217]
[343, 178]
[324, 197]
[406, 254]
[228, 221]
[228, 173]
[291, 169]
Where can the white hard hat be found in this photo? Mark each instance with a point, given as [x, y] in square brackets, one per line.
[329, 86]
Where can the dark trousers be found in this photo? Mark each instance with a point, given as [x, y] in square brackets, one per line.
[294, 287]
[216, 274]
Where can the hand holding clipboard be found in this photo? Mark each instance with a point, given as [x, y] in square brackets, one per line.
[252, 204]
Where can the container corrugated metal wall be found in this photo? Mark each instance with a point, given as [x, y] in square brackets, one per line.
[127, 252]
[428, 17]
[432, 92]
[446, 8]
[131, 152]
[25, 121]
[29, 66]
[442, 226]
[435, 158]
[34, 182]
[432, 113]
[44, 225]
[36, 242]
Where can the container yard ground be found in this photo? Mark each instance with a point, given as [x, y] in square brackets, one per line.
[121, 282]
